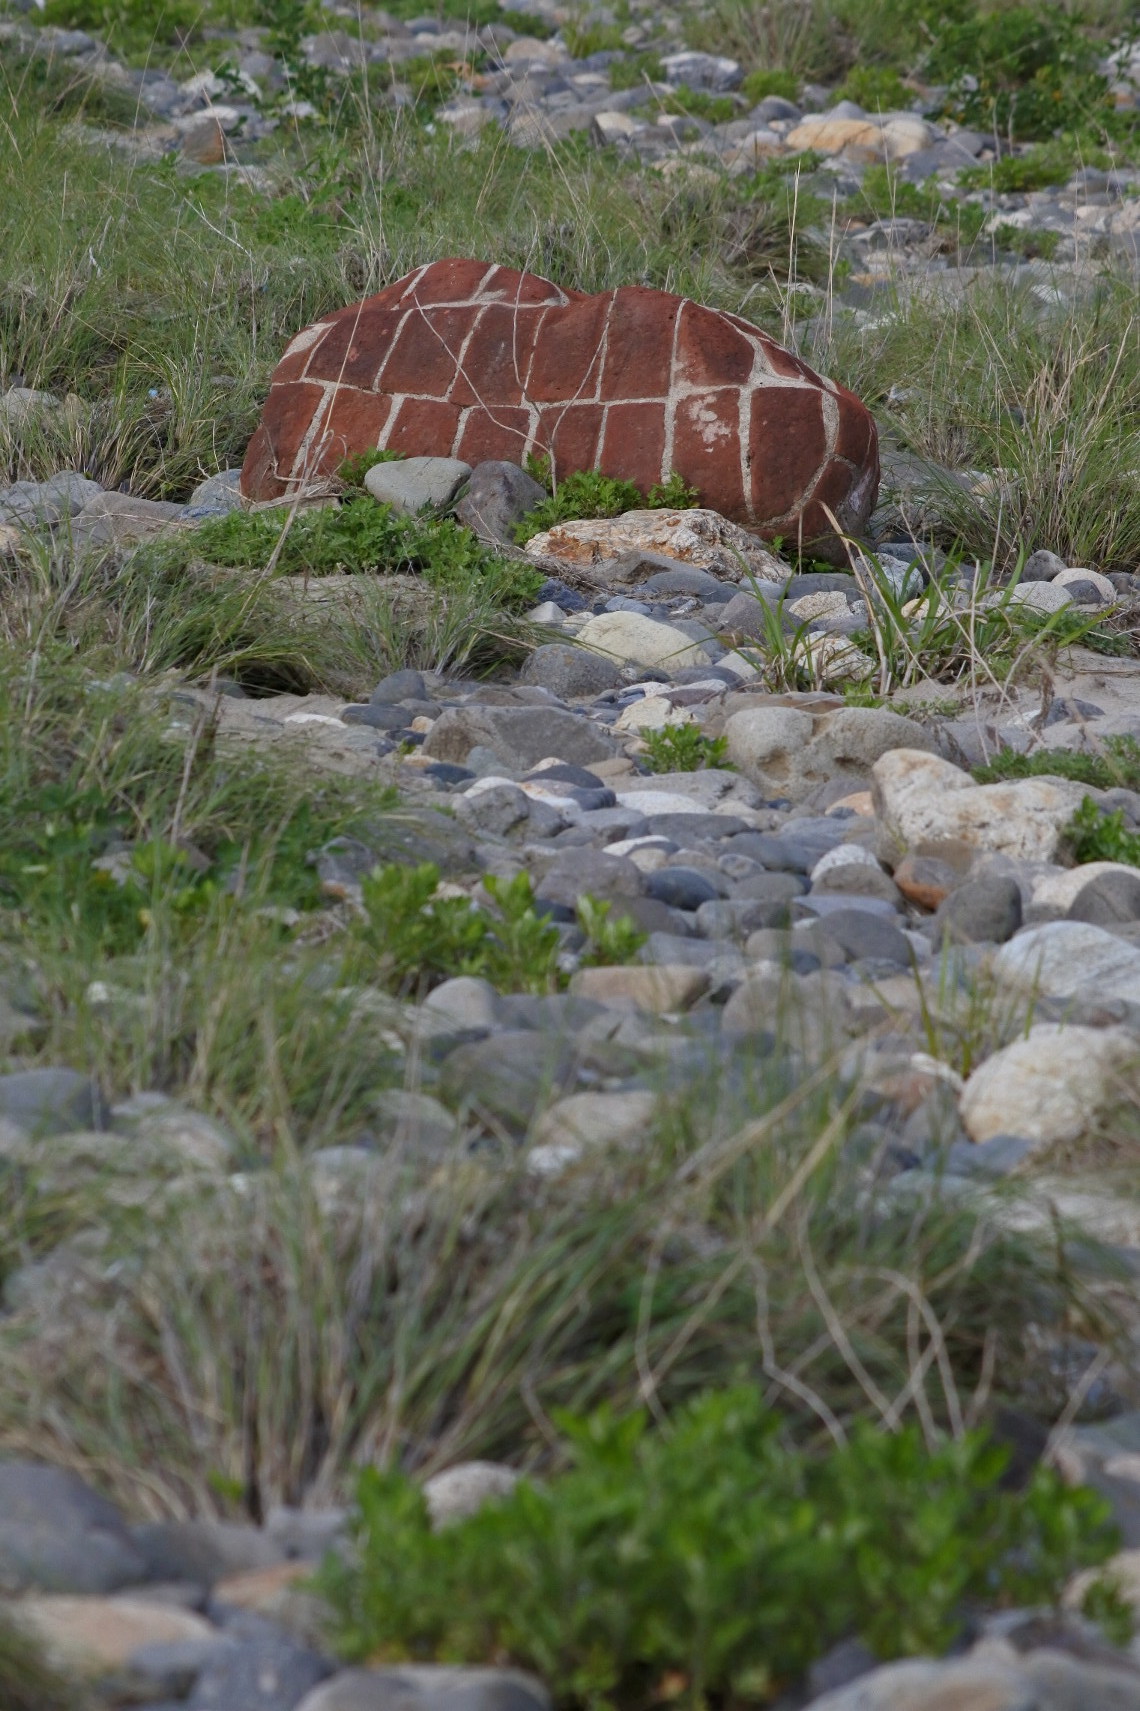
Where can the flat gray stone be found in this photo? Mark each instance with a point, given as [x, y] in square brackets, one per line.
[58, 1535]
[47, 502]
[50, 1101]
[429, 1687]
[417, 483]
[569, 671]
[519, 736]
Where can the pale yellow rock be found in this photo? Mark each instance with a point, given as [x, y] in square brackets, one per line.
[1049, 1087]
[645, 641]
[832, 136]
[660, 988]
[595, 1119]
[920, 797]
[654, 713]
[699, 537]
[260, 1589]
[826, 605]
[11, 540]
[95, 1636]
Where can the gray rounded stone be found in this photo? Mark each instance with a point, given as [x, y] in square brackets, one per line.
[569, 671]
[399, 686]
[50, 1101]
[867, 937]
[58, 1535]
[1108, 899]
[986, 910]
[1042, 566]
[498, 496]
[417, 483]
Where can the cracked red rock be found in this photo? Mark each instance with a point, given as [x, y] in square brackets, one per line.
[470, 360]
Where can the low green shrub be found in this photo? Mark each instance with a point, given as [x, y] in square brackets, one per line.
[1116, 764]
[1095, 835]
[683, 748]
[878, 88]
[589, 493]
[635, 70]
[414, 937]
[1037, 169]
[360, 536]
[710, 1559]
[353, 470]
[1024, 71]
[699, 104]
[759, 84]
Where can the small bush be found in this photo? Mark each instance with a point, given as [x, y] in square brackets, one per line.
[1094, 835]
[876, 87]
[1037, 169]
[1026, 71]
[1116, 766]
[699, 104]
[709, 1559]
[415, 938]
[759, 84]
[589, 493]
[683, 748]
[632, 72]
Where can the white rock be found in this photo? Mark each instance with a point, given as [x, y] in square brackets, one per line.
[700, 537]
[844, 855]
[1071, 959]
[833, 605]
[547, 613]
[464, 1000]
[1050, 1086]
[461, 1490]
[1060, 890]
[648, 641]
[1040, 596]
[596, 1119]
[649, 802]
[904, 134]
[653, 713]
[837, 660]
[415, 482]
[1065, 579]
[920, 797]
[617, 127]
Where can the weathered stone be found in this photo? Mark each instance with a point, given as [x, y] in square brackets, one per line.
[1040, 596]
[786, 749]
[429, 1687]
[616, 549]
[498, 496]
[986, 910]
[416, 483]
[660, 988]
[647, 641]
[920, 797]
[115, 519]
[469, 360]
[520, 736]
[58, 1535]
[595, 1119]
[1108, 898]
[1042, 566]
[462, 1490]
[1072, 959]
[267, 1671]
[96, 1636]
[507, 1076]
[202, 1551]
[1049, 1087]
[50, 1101]
[567, 671]
[584, 872]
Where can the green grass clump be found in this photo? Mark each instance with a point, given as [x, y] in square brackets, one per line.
[634, 70]
[589, 493]
[1115, 765]
[582, 39]
[27, 1682]
[878, 88]
[360, 536]
[1024, 71]
[413, 938]
[1037, 168]
[1095, 835]
[759, 84]
[699, 104]
[683, 748]
[710, 1554]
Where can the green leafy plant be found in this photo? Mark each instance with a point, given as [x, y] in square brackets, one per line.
[1116, 764]
[610, 941]
[710, 1554]
[589, 493]
[878, 88]
[353, 470]
[1023, 71]
[683, 748]
[759, 84]
[414, 937]
[634, 70]
[582, 39]
[1035, 169]
[699, 104]
[1094, 835]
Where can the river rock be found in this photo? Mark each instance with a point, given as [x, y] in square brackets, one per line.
[646, 641]
[429, 1687]
[1072, 959]
[700, 538]
[58, 1535]
[415, 484]
[519, 736]
[466, 359]
[498, 496]
[1048, 1087]
[96, 1636]
[462, 1490]
[790, 751]
[920, 797]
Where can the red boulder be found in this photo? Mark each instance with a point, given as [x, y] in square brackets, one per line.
[469, 360]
